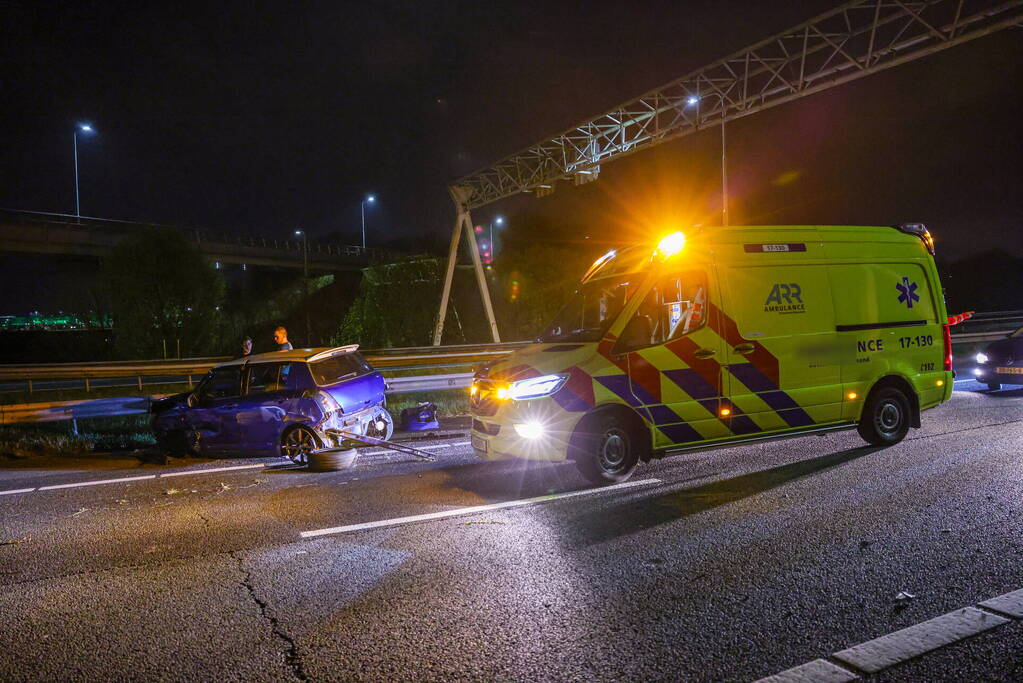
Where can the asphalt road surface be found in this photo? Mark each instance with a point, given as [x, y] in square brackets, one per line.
[733, 564]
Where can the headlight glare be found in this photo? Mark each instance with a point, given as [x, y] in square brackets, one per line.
[982, 358]
[535, 387]
[530, 430]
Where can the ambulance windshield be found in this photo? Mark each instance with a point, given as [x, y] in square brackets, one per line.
[592, 309]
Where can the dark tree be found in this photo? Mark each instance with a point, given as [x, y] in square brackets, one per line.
[160, 290]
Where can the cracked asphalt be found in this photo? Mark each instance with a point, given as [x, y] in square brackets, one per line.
[736, 564]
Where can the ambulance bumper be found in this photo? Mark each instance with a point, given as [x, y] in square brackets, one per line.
[526, 430]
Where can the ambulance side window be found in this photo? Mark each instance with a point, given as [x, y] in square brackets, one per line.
[675, 306]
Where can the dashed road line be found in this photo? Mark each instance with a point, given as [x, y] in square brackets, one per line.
[899, 646]
[10, 491]
[1010, 603]
[94, 482]
[895, 648]
[817, 671]
[459, 512]
[213, 469]
[208, 470]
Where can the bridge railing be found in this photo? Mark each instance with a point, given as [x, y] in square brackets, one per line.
[112, 226]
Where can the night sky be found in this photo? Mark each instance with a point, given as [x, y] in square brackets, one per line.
[262, 117]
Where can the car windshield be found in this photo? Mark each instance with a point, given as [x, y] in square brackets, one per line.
[592, 309]
[338, 368]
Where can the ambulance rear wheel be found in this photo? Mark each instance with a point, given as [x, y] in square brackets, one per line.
[886, 417]
[608, 451]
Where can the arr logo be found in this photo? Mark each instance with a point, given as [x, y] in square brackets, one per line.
[785, 298]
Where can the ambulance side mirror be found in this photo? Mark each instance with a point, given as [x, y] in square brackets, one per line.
[636, 334]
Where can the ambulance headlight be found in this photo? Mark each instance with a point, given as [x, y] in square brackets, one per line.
[978, 372]
[530, 430]
[982, 358]
[535, 387]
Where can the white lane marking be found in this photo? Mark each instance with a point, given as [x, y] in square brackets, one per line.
[458, 512]
[1009, 603]
[817, 671]
[880, 653]
[94, 483]
[10, 491]
[213, 469]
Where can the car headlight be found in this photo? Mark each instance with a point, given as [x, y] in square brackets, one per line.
[535, 387]
[982, 358]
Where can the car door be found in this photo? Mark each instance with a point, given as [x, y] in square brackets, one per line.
[218, 400]
[674, 374]
[261, 410]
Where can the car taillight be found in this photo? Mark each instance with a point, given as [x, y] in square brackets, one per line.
[947, 333]
[327, 403]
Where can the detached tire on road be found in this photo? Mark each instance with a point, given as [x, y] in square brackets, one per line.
[886, 417]
[333, 459]
[607, 448]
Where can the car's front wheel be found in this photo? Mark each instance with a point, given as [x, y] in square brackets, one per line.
[297, 443]
[994, 386]
[608, 450]
[886, 417]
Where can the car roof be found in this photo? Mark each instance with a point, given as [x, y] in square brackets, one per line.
[299, 355]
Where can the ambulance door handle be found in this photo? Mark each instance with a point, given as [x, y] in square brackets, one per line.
[704, 353]
[744, 349]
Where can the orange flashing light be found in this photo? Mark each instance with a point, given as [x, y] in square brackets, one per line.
[671, 244]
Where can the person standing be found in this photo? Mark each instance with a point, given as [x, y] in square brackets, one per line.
[281, 339]
[246, 348]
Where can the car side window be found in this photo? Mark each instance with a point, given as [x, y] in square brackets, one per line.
[264, 377]
[223, 383]
[674, 307]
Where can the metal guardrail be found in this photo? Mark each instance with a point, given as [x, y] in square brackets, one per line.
[394, 360]
[137, 405]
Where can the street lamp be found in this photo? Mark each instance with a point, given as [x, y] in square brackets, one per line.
[84, 128]
[305, 283]
[370, 199]
[694, 100]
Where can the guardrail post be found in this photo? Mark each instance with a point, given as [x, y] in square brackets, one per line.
[189, 381]
[139, 378]
[87, 388]
[30, 386]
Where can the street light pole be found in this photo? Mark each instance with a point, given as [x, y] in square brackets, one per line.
[695, 100]
[85, 128]
[305, 284]
[369, 198]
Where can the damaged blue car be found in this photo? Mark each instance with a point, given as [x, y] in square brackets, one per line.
[279, 403]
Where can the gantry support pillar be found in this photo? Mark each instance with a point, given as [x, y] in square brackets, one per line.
[463, 222]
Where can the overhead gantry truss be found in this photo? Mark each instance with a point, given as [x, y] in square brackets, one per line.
[854, 40]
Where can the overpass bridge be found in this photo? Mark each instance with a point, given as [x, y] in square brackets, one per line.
[53, 233]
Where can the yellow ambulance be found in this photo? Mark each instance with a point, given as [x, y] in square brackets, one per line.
[726, 335]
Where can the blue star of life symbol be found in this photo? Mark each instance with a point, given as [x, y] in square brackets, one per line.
[907, 292]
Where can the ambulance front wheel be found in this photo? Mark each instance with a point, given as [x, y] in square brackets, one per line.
[886, 417]
[606, 450]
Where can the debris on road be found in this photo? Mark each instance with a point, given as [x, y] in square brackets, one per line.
[171, 492]
[80, 511]
[224, 487]
[16, 541]
[904, 596]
